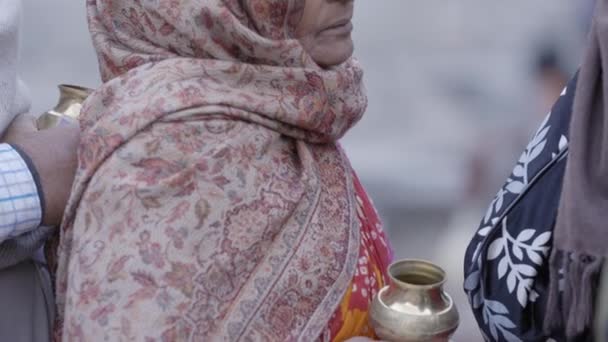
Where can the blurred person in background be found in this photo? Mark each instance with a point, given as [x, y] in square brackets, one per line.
[36, 173]
[213, 200]
[551, 77]
[487, 168]
[533, 268]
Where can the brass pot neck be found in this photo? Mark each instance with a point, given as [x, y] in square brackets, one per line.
[75, 92]
[70, 100]
[417, 275]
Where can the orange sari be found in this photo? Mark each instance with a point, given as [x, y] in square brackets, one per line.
[351, 317]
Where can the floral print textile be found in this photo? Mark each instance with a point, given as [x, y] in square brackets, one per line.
[506, 264]
[212, 201]
[352, 317]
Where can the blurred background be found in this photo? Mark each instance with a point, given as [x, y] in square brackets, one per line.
[455, 90]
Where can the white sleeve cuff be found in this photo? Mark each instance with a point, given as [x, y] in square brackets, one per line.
[20, 205]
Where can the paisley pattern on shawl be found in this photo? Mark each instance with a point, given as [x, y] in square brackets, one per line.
[351, 319]
[212, 200]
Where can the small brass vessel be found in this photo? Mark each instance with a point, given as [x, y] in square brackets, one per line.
[68, 108]
[414, 307]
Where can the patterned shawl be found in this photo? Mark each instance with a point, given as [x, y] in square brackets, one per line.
[212, 201]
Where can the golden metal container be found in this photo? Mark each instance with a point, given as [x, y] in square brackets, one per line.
[67, 109]
[414, 307]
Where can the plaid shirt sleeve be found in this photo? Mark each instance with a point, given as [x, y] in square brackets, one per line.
[20, 201]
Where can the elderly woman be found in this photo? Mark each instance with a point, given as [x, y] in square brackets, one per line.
[212, 200]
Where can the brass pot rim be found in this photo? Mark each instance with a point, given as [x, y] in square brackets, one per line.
[79, 90]
[440, 272]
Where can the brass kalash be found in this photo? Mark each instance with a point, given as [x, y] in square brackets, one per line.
[414, 307]
[67, 109]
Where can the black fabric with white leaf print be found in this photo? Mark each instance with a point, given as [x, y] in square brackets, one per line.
[506, 263]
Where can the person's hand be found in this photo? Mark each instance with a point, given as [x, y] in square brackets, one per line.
[53, 153]
[24, 124]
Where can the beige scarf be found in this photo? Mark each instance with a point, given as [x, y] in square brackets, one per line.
[212, 201]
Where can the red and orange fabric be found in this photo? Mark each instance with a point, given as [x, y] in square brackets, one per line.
[351, 319]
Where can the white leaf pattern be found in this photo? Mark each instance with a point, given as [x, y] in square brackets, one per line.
[528, 283]
[477, 300]
[533, 296]
[503, 266]
[486, 313]
[518, 171]
[495, 249]
[544, 124]
[522, 295]
[484, 231]
[504, 322]
[490, 211]
[526, 270]
[513, 263]
[517, 251]
[538, 137]
[497, 307]
[515, 187]
[510, 337]
[471, 282]
[476, 252]
[525, 235]
[500, 200]
[563, 143]
[494, 331]
[542, 239]
[537, 150]
[535, 257]
[511, 281]
[496, 317]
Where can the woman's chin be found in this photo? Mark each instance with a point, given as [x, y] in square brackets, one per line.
[329, 55]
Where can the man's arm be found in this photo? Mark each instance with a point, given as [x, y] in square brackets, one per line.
[51, 159]
[40, 153]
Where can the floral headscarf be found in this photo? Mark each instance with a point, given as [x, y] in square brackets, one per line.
[212, 200]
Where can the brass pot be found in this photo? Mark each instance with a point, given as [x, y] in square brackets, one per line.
[68, 108]
[414, 307]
